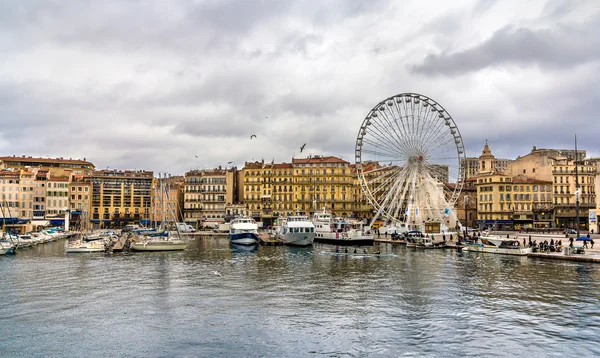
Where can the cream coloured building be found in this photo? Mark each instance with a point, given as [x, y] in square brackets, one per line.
[207, 194]
[564, 189]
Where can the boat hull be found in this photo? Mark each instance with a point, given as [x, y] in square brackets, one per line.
[497, 250]
[346, 242]
[6, 251]
[84, 249]
[299, 239]
[243, 238]
[159, 246]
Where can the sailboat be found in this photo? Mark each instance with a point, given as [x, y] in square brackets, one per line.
[83, 241]
[7, 244]
[163, 239]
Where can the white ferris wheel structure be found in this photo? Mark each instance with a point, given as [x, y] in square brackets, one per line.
[408, 158]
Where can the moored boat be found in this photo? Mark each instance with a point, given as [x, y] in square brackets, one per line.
[339, 231]
[243, 231]
[296, 230]
[81, 245]
[498, 245]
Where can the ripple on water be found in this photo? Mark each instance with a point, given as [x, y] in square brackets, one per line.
[216, 300]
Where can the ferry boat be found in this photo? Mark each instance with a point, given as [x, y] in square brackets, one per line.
[296, 230]
[339, 231]
[498, 245]
[243, 231]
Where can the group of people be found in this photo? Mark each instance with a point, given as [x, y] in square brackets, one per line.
[545, 246]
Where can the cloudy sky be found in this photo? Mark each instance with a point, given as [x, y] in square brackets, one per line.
[154, 84]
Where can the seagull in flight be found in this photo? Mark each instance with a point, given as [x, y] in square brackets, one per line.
[302, 148]
[196, 156]
[229, 162]
[253, 136]
[216, 273]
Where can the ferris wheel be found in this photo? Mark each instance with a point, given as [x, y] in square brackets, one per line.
[408, 159]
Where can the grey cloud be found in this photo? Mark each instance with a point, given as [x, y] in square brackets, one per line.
[561, 46]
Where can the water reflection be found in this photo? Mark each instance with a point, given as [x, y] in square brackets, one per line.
[221, 299]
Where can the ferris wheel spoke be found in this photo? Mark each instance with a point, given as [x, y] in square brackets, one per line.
[379, 143]
[392, 124]
[379, 154]
[388, 136]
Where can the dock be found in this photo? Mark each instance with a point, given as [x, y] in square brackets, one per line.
[266, 239]
[587, 257]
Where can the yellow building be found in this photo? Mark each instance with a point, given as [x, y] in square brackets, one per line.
[304, 186]
[121, 197]
[207, 194]
[564, 189]
[267, 190]
[323, 182]
[513, 203]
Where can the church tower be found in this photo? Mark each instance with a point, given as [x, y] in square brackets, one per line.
[486, 160]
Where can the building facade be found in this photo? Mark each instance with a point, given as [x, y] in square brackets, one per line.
[207, 194]
[57, 166]
[121, 197]
[564, 181]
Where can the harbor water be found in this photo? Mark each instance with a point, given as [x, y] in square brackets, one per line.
[274, 301]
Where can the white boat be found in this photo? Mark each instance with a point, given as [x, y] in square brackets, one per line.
[423, 242]
[337, 231]
[80, 245]
[243, 231]
[498, 245]
[159, 243]
[296, 230]
[162, 239]
[6, 247]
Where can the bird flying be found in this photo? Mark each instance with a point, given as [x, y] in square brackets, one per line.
[253, 136]
[216, 273]
[196, 156]
[302, 148]
[229, 162]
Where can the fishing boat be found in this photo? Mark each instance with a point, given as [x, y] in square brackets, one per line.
[296, 230]
[498, 245]
[243, 231]
[357, 254]
[338, 231]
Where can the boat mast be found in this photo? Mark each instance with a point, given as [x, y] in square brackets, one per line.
[577, 193]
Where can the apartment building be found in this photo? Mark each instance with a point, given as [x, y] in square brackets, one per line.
[121, 197]
[564, 184]
[207, 194]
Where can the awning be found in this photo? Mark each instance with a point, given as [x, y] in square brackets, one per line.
[40, 222]
[57, 222]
